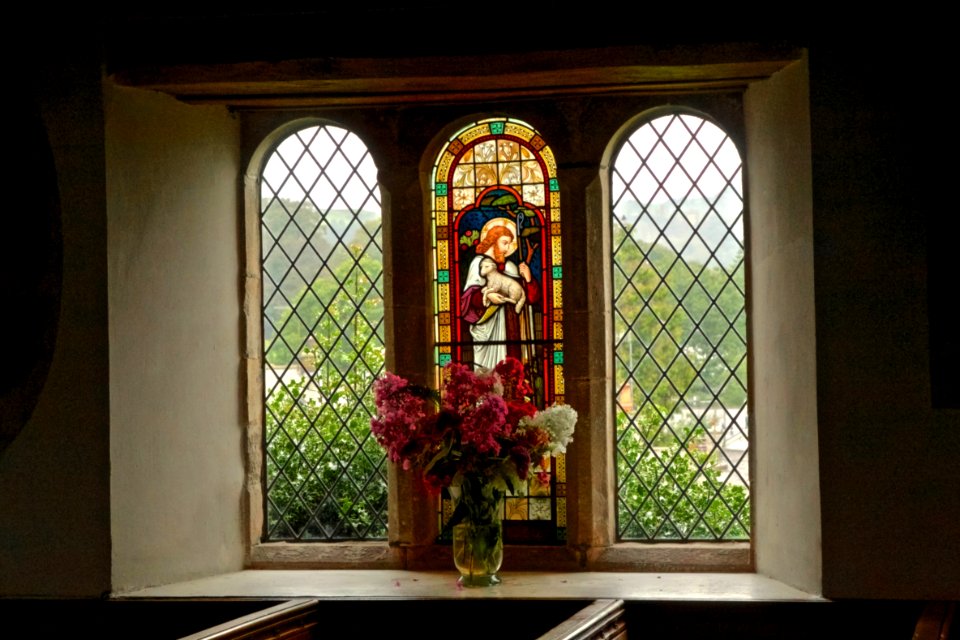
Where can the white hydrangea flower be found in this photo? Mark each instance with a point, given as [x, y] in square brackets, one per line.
[559, 421]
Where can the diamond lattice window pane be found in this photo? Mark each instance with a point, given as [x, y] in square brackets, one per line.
[680, 344]
[323, 338]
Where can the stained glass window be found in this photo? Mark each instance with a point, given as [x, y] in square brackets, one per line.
[323, 338]
[498, 282]
[680, 333]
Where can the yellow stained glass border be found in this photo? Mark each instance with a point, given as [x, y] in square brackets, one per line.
[446, 243]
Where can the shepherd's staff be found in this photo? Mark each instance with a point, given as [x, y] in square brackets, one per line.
[526, 322]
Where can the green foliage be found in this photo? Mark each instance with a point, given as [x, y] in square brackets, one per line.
[325, 473]
[680, 328]
[675, 492]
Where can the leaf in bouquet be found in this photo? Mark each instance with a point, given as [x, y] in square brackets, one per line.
[513, 482]
[502, 484]
[440, 455]
[420, 391]
[458, 515]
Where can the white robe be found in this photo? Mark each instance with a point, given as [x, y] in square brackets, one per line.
[495, 327]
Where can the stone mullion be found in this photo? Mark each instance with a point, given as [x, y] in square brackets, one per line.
[588, 370]
[408, 310]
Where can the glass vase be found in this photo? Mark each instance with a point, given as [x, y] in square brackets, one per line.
[478, 553]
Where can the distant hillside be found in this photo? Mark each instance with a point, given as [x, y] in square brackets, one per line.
[665, 227]
[310, 240]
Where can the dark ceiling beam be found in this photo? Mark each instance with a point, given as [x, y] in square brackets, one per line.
[367, 80]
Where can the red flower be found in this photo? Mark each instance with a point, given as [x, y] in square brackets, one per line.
[520, 456]
[515, 386]
[516, 411]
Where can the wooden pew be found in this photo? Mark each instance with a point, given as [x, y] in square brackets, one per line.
[299, 619]
[935, 621]
[292, 620]
[602, 620]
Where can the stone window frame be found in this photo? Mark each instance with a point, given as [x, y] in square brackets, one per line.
[782, 160]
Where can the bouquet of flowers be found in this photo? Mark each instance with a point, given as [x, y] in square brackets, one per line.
[479, 436]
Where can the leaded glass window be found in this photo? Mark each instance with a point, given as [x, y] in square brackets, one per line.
[323, 337]
[680, 333]
[496, 218]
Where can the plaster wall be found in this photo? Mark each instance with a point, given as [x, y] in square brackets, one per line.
[176, 394]
[54, 477]
[890, 490]
[784, 375]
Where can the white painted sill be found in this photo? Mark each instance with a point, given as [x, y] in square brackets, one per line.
[354, 584]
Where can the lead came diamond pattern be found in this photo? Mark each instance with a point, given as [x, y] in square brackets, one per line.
[680, 340]
[323, 338]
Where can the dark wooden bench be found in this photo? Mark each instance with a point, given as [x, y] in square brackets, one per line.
[935, 621]
[292, 620]
[602, 620]
[300, 619]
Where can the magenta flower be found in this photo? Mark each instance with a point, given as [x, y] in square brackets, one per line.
[482, 426]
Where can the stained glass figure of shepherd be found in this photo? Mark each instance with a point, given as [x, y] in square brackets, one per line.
[500, 239]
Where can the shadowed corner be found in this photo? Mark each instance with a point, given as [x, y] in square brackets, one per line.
[30, 273]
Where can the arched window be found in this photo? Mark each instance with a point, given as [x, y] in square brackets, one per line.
[496, 218]
[323, 345]
[680, 333]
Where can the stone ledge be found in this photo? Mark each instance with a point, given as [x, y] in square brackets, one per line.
[398, 584]
[726, 557]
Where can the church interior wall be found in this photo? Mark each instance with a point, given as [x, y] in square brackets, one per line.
[784, 374]
[177, 426]
[78, 517]
[890, 500]
[55, 476]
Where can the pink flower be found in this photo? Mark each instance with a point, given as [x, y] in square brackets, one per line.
[462, 388]
[400, 412]
[520, 456]
[482, 425]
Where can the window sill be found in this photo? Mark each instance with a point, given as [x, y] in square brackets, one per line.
[399, 584]
[729, 557]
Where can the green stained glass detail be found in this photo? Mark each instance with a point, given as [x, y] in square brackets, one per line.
[554, 184]
[558, 357]
[443, 275]
[441, 188]
[558, 273]
[444, 359]
[496, 128]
